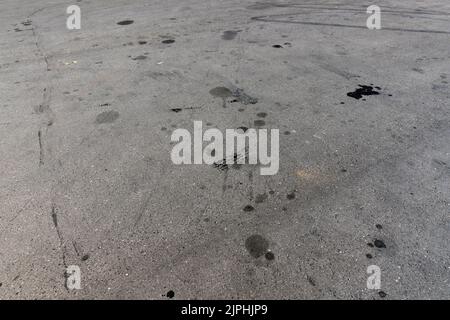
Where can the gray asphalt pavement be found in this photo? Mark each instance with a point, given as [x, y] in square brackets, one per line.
[86, 177]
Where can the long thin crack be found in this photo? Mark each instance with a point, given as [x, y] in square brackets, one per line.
[60, 237]
[44, 106]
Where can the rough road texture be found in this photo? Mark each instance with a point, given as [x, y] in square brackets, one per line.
[85, 171]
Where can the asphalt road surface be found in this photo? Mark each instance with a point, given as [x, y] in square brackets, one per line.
[86, 177]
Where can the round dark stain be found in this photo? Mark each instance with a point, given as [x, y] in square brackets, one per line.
[85, 257]
[229, 35]
[221, 92]
[259, 123]
[382, 294]
[379, 244]
[170, 294]
[262, 114]
[269, 255]
[168, 41]
[256, 245]
[291, 196]
[379, 226]
[286, 133]
[369, 256]
[248, 208]
[107, 117]
[125, 22]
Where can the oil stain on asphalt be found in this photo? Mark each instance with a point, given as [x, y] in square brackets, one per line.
[107, 117]
[363, 91]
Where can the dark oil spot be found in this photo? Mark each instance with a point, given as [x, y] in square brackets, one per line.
[259, 123]
[170, 294]
[256, 245]
[176, 110]
[277, 46]
[85, 257]
[343, 170]
[370, 245]
[260, 198]
[269, 255]
[382, 294]
[221, 92]
[379, 244]
[107, 117]
[379, 226]
[362, 91]
[125, 22]
[142, 42]
[286, 133]
[168, 41]
[369, 256]
[271, 192]
[262, 114]
[229, 35]
[291, 196]
[248, 208]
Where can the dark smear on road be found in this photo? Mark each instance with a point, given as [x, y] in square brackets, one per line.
[221, 92]
[269, 255]
[107, 117]
[379, 244]
[256, 245]
[229, 35]
[168, 41]
[125, 22]
[259, 123]
[262, 114]
[291, 196]
[248, 208]
[363, 91]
